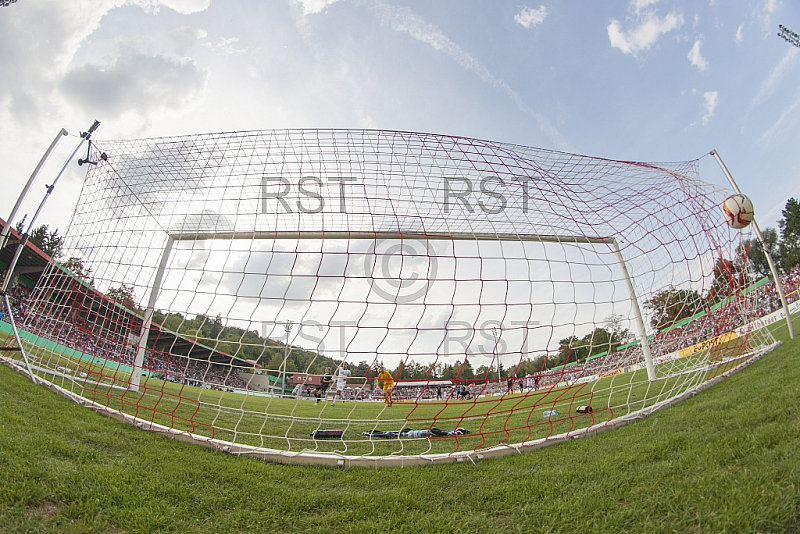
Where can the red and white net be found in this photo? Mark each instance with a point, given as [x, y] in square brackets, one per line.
[498, 284]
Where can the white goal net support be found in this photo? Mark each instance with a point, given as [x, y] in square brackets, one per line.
[244, 290]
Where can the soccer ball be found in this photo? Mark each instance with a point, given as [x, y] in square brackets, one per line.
[738, 211]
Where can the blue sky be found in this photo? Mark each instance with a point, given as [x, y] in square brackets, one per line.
[641, 80]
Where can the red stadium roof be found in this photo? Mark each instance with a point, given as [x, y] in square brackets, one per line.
[32, 263]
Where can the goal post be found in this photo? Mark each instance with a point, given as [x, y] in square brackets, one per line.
[637, 313]
[136, 375]
[516, 296]
[765, 248]
[561, 239]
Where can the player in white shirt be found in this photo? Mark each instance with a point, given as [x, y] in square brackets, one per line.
[342, 375]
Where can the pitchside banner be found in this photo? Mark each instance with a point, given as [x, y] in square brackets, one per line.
[767, 320]
[758, 324]
[708, 343]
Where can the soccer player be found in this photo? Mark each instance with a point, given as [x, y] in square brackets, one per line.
[322, 391]
[386, 378]
[341, 381]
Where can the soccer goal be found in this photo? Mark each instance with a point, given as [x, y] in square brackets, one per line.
[245, 290]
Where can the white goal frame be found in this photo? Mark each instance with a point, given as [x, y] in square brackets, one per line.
[158, 201]
[155, 289]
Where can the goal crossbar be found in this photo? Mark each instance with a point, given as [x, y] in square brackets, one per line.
[432, 236]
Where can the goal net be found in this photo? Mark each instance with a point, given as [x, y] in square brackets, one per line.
[244, 290]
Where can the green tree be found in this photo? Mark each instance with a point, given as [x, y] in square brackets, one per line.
[570, 349]
[483, 371]
[601, 340]
[212, 328]
[755, 252]
[449, 372]
[170, 321]
[360, 370]
[489, 372]
[20, 225]
[275, 362]
[79, 270]
[613, 324]
[466, 371]
[790, 235]
[123, 295]
[671, 305]
[531, 366]
[48, 242]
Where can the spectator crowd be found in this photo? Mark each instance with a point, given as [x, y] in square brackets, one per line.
[64, 325]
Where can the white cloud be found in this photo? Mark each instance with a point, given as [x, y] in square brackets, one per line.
[740, 33]
[134, 81]
[709, 105]
[638, 5]
[775, 75]
[230, 46]
[182, 41]
[531, 17]
[185, 7]
[314, 6]
[696, 58]
[60, 30]
[57, 30]
[765, 15]
[641, 37]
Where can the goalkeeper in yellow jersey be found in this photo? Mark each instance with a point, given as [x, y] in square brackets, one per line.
[386, 378]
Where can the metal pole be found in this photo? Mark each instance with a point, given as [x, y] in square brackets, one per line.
[772, 268]
[637, 312]
[5, 232]
[288, 327]
[138, 362]
[34, 378]
[24, 240]
[496, 354]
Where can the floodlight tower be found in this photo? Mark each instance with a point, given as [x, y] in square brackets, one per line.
[288, 328]
[496, 354]
[788, 35]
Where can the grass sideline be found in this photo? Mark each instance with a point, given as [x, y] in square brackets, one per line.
[725, 460]
[500, 419]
